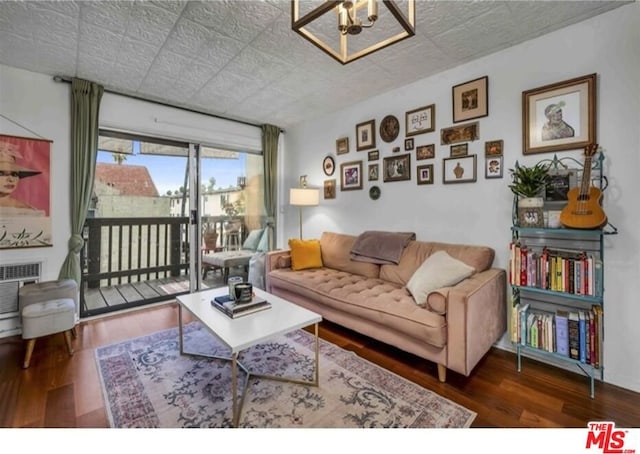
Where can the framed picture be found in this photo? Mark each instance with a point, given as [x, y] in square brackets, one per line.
[373, 172]
[373, 155]
[426, 152]
[471, 100]
[408, 144]
[559, 183]
[459, 150]
[330, 189]
[459, 170]
[389, 128]
[25, 208]
[397, 168]
[366, 135]
[425, 174]
[420, 120]
[396, 149]
[461, 133]
[493, 167]
[351, 175]
[493, 148]
[560, 116]
[342, 145]
[328, 165]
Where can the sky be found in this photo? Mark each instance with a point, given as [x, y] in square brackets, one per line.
[167, 172]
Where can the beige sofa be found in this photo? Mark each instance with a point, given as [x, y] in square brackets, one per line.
[454, 329]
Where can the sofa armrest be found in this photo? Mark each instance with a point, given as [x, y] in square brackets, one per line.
[476, 318]
[277, 260]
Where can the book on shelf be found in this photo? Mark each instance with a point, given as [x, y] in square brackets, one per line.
[235, 309]
[582, 320]
[574, 335]
[562, 332]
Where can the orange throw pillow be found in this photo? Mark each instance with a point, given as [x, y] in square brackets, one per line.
[305, 254]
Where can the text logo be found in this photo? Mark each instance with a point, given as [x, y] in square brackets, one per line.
[604, 436]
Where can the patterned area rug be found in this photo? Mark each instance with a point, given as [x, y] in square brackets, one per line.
[147, 383]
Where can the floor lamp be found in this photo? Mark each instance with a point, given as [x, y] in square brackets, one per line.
[303, 197]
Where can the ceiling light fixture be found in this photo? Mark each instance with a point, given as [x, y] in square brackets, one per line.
[350, 45]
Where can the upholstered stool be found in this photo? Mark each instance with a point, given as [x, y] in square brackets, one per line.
[47, 308]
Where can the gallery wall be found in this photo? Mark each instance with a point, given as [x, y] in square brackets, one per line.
[480, 212]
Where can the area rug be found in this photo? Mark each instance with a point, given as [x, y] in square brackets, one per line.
[147, 383]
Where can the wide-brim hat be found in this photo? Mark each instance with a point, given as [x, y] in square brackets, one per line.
[8, 154]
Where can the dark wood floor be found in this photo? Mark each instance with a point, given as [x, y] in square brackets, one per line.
[62, 391]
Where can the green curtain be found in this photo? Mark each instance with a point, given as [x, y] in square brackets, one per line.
[85, 106]
[270, 135]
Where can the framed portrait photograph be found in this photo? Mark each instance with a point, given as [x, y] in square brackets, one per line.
[351, 175]
[459, 170]
[494, 148]
[425, 152]
[328, 165]
[373, 172]
[420, 120]
[366, 135]
[408, 144]
[397, 168]
[425, 174]
[342, 145]
[471, 99]
[560, 116]
[330, 189]
[459, 150]
[373, 155]
[493, 167]
[461, 133]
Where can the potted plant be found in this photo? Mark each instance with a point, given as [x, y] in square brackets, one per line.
[528, 184]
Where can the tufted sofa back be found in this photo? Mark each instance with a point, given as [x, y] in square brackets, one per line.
[336, 254]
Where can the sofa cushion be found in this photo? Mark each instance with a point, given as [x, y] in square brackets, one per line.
[370, 299]
[305, 254]
[416, 252]
[336, 254]
[438, 270]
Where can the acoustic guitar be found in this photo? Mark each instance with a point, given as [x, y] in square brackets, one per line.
[584, 206]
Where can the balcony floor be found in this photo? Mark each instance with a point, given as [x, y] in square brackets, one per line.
[125, 296]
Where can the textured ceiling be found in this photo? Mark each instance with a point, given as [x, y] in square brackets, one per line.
[241, 60]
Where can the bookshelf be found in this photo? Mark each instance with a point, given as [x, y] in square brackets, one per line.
[556, 276]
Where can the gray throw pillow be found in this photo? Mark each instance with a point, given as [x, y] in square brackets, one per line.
[253, 239]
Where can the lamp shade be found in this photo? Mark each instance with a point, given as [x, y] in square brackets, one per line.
[304, 196]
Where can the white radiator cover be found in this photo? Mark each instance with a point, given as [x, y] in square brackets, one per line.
[12, 277]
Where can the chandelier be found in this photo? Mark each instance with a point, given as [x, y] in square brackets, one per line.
[348, 41]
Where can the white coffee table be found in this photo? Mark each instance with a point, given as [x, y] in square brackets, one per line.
[241, 333]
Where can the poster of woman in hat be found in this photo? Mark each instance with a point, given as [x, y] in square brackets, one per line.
[24, 192]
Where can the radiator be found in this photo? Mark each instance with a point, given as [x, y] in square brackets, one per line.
[12, 277]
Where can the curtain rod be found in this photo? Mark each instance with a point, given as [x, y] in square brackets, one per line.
[67, 80]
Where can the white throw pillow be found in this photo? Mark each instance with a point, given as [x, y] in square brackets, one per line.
[438, 270]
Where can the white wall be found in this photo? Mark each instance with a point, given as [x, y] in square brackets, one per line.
[480, 212]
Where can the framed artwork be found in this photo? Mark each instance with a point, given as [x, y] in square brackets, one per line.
[351, 175]
[373, 172]
[342, 145]
[396, 149]
[373, 155]
[366, 135]
[459, 150]
[408, 144]
[397, 168]
[461, 133]
[25, 216]
[471, 99]
[493, 167]
[459, 170]
[421, 120]
[425, 152]
[560, 116]
[559, 183]
[328, 165]
[494, 148]
[330, 189]
[389, 128]
[425, 174]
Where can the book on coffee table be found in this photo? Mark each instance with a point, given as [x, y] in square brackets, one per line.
[235, 309]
